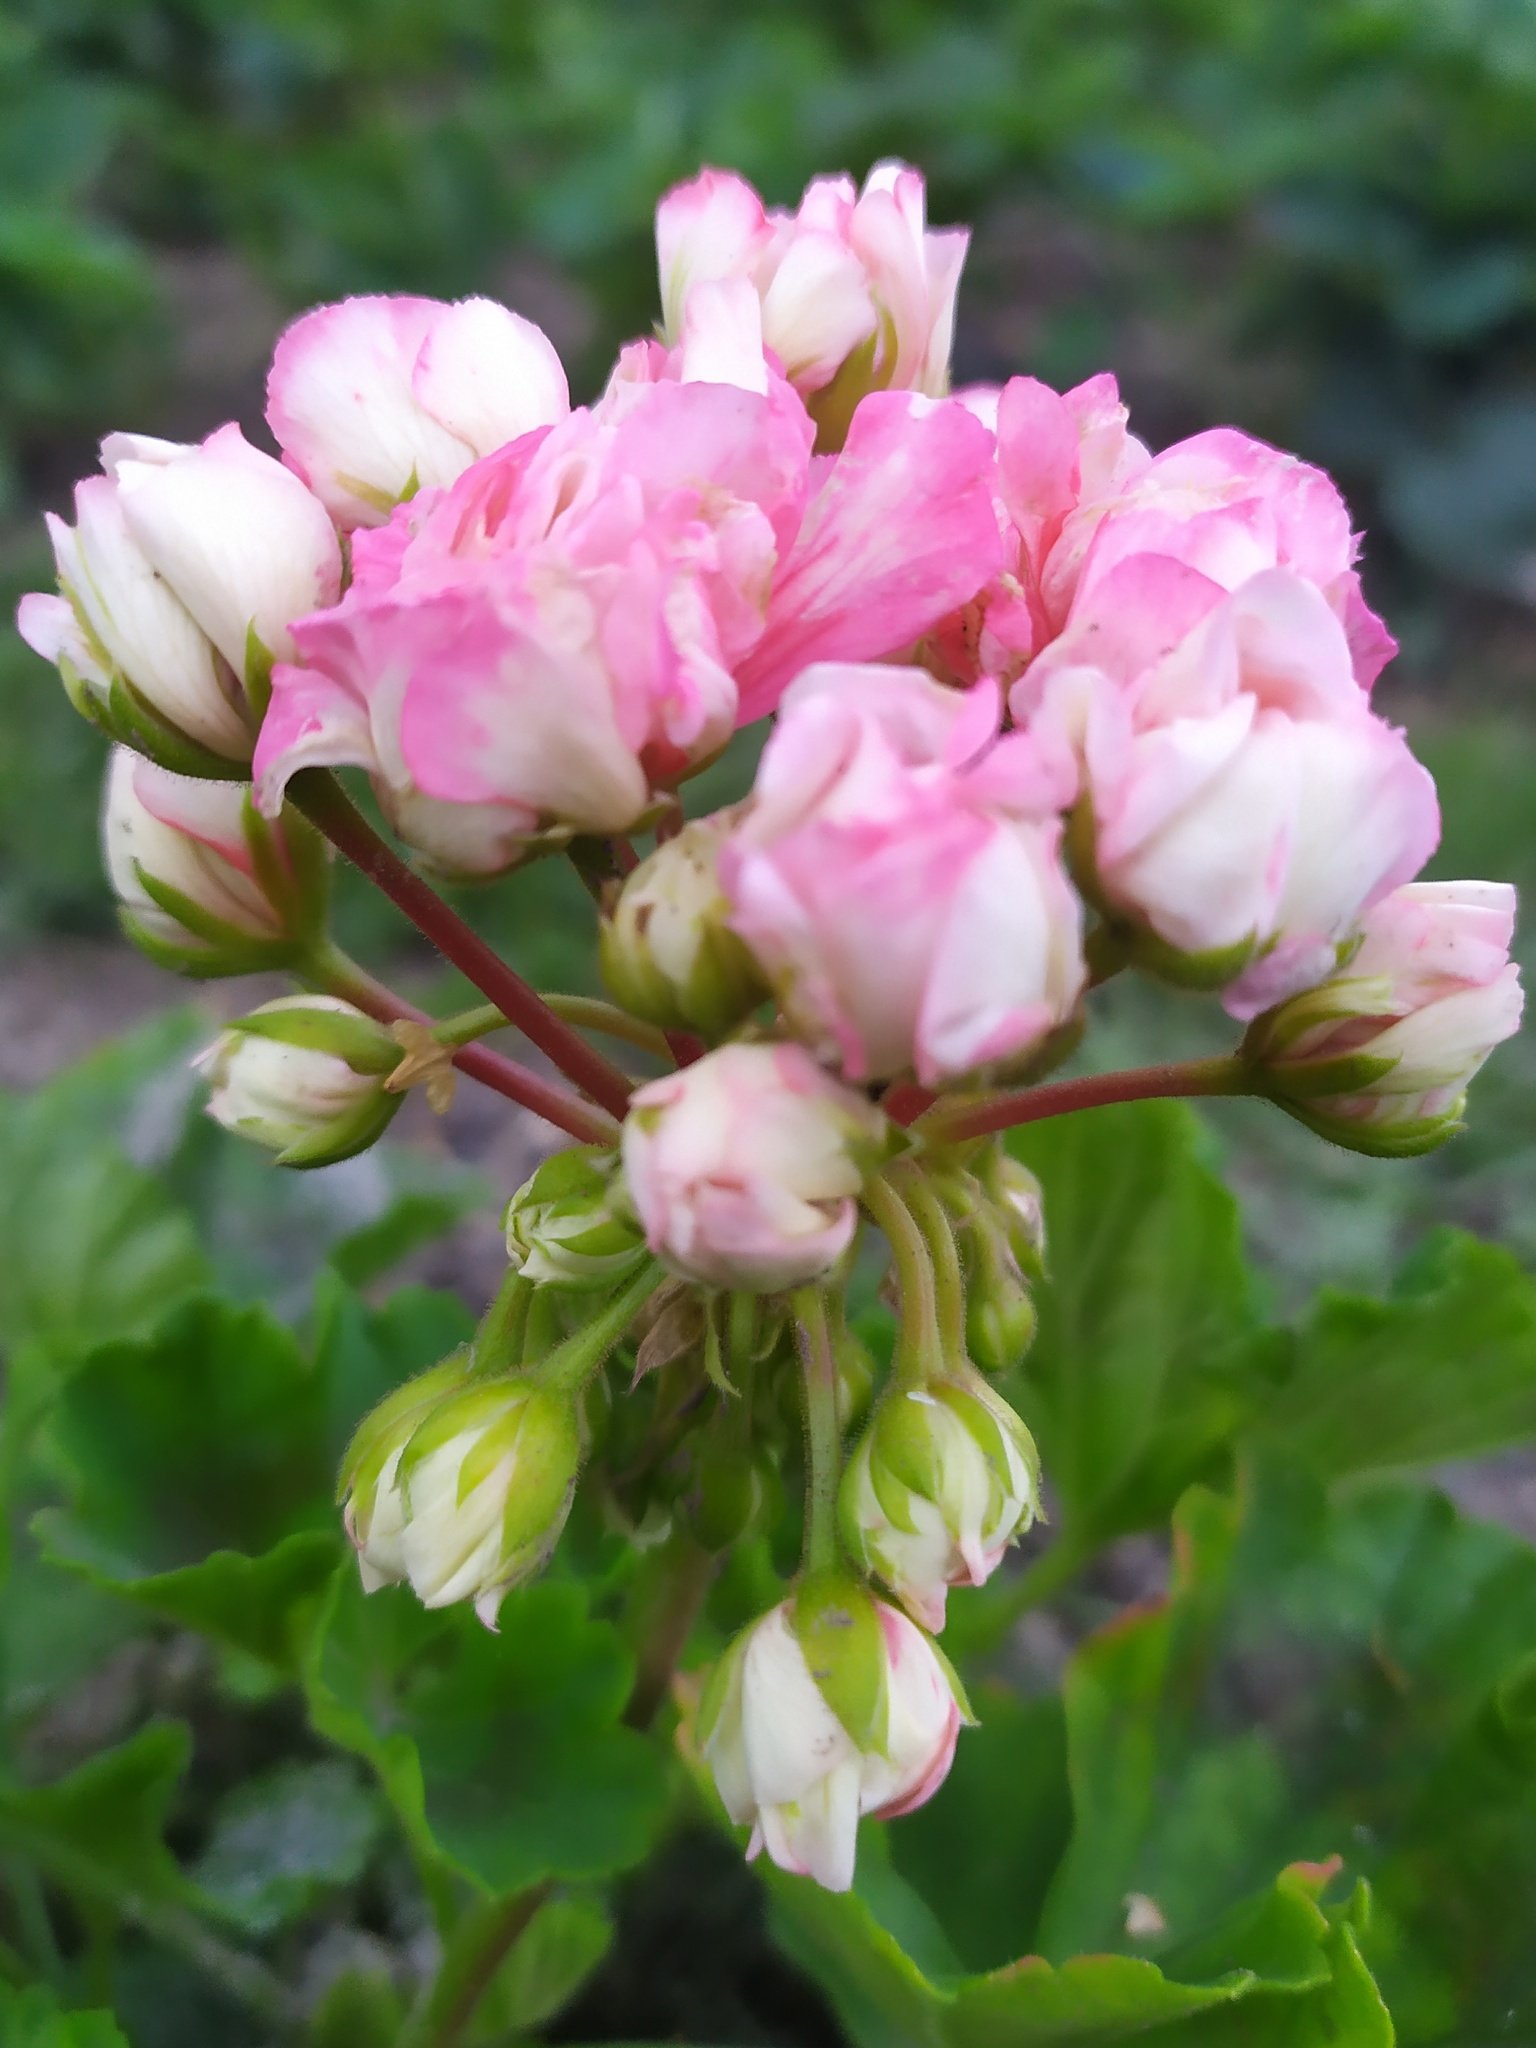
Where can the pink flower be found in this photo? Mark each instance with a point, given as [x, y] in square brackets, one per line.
[1380, 1055]
[178, 580]
[546, 642]
[1246, 805]
[745, 1167]
[374, 398]
[898, 877]
[785, 1759]
[857, 293]
[1082, 496]
[900, 530]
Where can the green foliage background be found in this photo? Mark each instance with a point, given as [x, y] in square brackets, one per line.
[237, 1803]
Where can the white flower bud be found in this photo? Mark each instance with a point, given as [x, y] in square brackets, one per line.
[943, 1480]
[205, 885]
[832, 1706]
[303, 1076]
[563, 1229]
[745, 1168]
[1378, 1058]
[461, 1486]
[668, 953]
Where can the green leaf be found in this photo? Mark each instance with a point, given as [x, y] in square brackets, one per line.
[413, 1219]
[559, 1948]
[1347, 1678]
[94, 1247]
[504, 1755]
[29, 2018]
[1277, 1952]
[1445, 1367]
[281, 1841]
[209, 1434]
[1144, 1364]
[99, 1832]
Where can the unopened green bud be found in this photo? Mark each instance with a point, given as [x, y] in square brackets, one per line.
[564, 1227]
[999, 1309]
[943, 1480]
[303, 1076]
[462, 1491]
[667, 952]
[1020, 1208]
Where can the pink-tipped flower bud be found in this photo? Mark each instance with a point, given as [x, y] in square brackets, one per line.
[832, 1706]
[567, 1227]
[668, 953]
[855, 292]
[1378, 1057]
[205, 885]
[461, 1486]
[945, 1477]
[373, 399]
[303, 1076]
[179, 580]
[745, 1168]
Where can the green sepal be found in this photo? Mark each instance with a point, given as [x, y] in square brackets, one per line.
[383, 1424]
[1350, 1074]
[344, 1137]
[480, 1404]
[363, 1045]
[258, 673]
[1384, 1140]
[837, 1625]
[200, 963]
[131, 720]
[227, 939]
[291, 862]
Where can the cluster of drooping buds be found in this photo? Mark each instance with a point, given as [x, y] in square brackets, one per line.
[1045, 706]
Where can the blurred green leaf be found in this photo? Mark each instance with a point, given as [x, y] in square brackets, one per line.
[1445, 1367]
[29, 2018]
[503, 1754]
[558, 1949]
[1145, 1361]
[282, 1840]
[100, 1831]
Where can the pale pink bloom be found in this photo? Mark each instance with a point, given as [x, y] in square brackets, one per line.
[374, 398]
[1392, 1039]
[786, 1766]
[900, 530]
[238, 538]
[1247, 806]
[745, 1168]
[851, 280]
[898, 877]
[1084, 496]
[551, 639]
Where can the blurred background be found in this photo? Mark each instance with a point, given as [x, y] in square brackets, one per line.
[1316, 222]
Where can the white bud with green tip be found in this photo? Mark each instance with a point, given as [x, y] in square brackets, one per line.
[945, 1477]
[565, 1228]
[668, 954]
[304, 1076]
[459, 1486]
[205, 885]
[833, 1705]
[1378, 1057]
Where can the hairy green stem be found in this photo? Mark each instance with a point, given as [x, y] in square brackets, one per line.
[822, 1435]
[498, 1343]
[1225, 1075]
[914, 1276]
[666, 1621]
[320, 797]
[944, 1254]
[328, 968]
[574, 1361]
[588, 1013]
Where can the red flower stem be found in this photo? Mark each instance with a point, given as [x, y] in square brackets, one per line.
[1226, 1075]
[331, 970]
[321, 798]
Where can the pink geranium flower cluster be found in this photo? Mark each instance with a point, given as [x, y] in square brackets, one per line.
[1044, 706]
